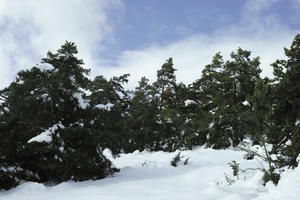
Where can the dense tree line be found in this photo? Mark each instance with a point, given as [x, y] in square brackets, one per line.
[55, 122]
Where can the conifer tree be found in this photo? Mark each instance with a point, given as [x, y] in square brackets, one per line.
[196, 116]
[167, 103]
[49, 99]
[109, 104]
[227, 87]
[285, 118]
[141, 120]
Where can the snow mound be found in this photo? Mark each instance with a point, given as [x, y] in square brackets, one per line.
[287, 188]
[189, 102]
[149, 175]
[106, 107]
[45, 67]
[83, 104]
[246, 103]
[46, 136]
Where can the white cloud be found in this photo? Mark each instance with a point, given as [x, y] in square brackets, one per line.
[263, 35]
[30, 28]
[193, 53]
[259, 5]
[296, 3]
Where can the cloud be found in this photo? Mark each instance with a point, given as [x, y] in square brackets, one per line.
[259, 5]
[296, 4]
[193, 53]
[28, 29]
[264, 35]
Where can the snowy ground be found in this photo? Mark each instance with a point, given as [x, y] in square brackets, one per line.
[149, 176]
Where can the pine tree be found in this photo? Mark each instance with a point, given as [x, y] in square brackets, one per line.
[286, 107]
[141, 120]
[109, 104]
[260, 114]
[196, 116]
[169, 117]
[51, 96]
[211, 87]
[243, 72]
[227, 88]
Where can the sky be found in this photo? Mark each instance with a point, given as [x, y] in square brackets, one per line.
[137, 36]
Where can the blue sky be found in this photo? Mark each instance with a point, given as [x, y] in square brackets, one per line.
[137, 36]
[165, 21]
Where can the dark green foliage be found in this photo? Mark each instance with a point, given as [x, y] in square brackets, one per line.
[284, 129]
[186, 161]
[109, 103]
[262, 101]
[270, 175]
[176, 160]
[177, 125]
[141, 119]
[235, 168]
[41, 98]
[166, 101]
[81, 156]
[249, 156]
[13, 134]
[7, 179]
[227, 88]
[227, 104]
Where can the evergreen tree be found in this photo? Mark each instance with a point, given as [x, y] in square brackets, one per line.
[227, 87]
[50, 98]
[196, 116]
[141, 120]
[211, 89]
[169, 117]
[285, 118]
[55, 122]
[261, 112]
[109, 104]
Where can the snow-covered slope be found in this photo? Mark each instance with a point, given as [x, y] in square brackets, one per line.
[288, 187]
[149, 175]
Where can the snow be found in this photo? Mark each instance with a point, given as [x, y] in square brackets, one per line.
[120, 94]
[106, 107]
[45, 66]
[149, 176]
[83, 104]
[189, 102]
[20, 82]
[45, 95]
[46, 136]
[288, 187]
[6, 109]
[245, 103]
